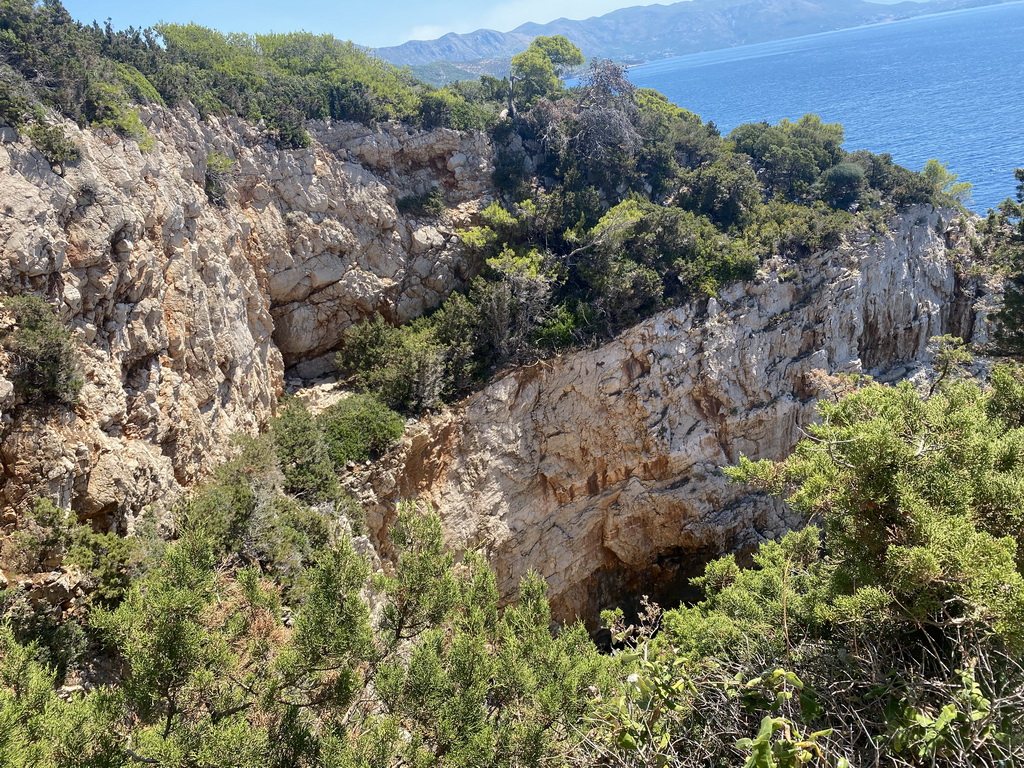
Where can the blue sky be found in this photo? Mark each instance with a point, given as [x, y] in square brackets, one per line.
[373, 23]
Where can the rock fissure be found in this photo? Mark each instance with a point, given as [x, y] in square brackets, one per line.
[599, 468]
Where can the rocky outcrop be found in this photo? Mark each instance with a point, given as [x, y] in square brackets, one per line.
[187, 306]
[194, 273]
[601, 469]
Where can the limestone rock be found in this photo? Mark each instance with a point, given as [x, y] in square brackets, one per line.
[186, 312]
[601, 469]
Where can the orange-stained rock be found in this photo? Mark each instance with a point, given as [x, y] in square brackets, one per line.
[601, 469]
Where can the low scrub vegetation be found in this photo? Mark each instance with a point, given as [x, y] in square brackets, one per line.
[97, 75]
[1003, 241]
[614, 204]
[42, 357]
[886, 632]
[244, 627]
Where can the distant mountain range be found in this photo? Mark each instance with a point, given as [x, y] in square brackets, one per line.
[644, 33]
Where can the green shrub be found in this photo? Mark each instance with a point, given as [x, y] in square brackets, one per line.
[107, 106]
[509, 176]
[137, 86]
[14, 99]
[889, 634]
[52, 142]
[44, 363]
[286, 129]
[842, 185]
[447, 108]
[724, 191]
[56, 644]
[404, 367]
[430, 203]
[107, 560]
[359, 427]
[41, 534]
[895, 184]
[797, 230]
[566, 326]
[303, 454]
[791, 156]
[243, 509]
[1004, 240]
[946, 190]
[218, 175]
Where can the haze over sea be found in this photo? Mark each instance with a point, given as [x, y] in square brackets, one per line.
[944, 86]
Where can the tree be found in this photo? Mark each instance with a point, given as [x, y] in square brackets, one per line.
[557, 49]
[303, 453]
[842, 185]
[172, 657]
[887, 631]
[359, 427]
[945, 187]
[404, 367]
[791, 156]
[1004, 234]
[725, 191]
[513, 303]
[537, 71]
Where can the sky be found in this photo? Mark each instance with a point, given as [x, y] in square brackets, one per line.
[374, 23]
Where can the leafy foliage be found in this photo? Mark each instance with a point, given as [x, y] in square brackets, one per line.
[615, 204]
[358, 428]
[44, 363]
[944, 183]
[304, 456]
[403, 367]
[430, 203]
[52, 142]
[215, 674]
[96, 74]
[1003, 232]
[536, 71]
[218, 174]
[887, 631]
[790, 157]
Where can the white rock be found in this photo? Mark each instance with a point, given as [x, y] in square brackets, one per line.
[591, 467]
[182, 334]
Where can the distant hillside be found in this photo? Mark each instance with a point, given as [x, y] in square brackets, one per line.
[644, 33]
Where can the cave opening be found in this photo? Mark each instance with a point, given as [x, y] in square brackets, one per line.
[666, 583]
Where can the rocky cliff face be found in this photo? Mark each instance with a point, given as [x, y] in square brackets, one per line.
[601, 470]
[187, 311]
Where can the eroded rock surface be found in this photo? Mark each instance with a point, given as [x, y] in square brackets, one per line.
[188, 307]
[601, 469]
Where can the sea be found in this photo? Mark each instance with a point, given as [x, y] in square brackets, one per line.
[948, 86]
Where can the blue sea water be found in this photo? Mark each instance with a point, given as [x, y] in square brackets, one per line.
[949, 86]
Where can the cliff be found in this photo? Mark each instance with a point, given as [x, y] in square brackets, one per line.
[186, 307]
[601, 470]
